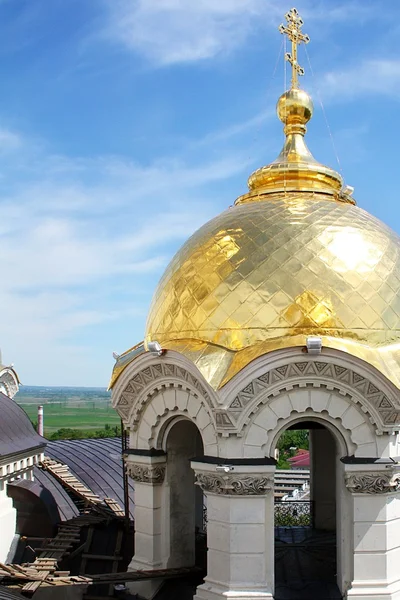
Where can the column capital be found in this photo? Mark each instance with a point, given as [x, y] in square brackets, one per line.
[373, 481]
[234, 480]
[145, 468]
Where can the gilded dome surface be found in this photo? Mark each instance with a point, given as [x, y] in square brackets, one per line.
[268, 274]
[294, 257]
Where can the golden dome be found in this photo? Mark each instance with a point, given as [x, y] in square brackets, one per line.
[266, 275]
[294, 257]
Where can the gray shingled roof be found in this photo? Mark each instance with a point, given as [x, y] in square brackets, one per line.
[66, 506]
[16, 430]
[96, 462]
[9, 594]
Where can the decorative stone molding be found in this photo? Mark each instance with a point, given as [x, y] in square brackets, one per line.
[373, 483]
[234, 485]
[148, 382]
[153, 474]
[9, 383]
[13, 469]
[172, 404]
[313, 373]
[336, 424]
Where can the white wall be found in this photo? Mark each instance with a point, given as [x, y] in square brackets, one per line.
[14, 467]
[8, 521]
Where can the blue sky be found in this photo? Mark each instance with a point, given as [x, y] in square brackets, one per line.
[126, 124]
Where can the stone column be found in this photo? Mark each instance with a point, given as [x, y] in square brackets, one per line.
[148, 473]
[375, 492]
[240, 538]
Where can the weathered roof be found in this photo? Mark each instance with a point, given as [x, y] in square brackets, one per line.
[16, 430]
[66, 507]
[9, 594]
[96, 462]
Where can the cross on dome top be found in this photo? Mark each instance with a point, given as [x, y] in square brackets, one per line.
[295, 169]
[296, 36]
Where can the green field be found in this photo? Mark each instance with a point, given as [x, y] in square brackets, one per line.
[74, 416]
[72, 408]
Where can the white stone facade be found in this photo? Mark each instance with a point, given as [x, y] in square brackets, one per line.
[9, 383]
[12, 468]
[238, 427]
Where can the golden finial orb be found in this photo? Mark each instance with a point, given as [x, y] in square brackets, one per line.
[295, 107]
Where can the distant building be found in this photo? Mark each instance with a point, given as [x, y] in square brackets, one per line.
[301, 460]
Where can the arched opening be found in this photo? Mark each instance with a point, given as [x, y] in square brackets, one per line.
[37, 511]
[307, 525]
[187, 542]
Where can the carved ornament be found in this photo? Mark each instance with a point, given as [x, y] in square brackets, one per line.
[373, 483]
[234, 485]
[150, 381]
[153, 474]
[303, 373]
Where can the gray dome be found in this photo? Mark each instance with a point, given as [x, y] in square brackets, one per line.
[16, 430]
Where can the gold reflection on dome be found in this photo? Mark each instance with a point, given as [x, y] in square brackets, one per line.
[294, 257]
[308, 310]
[352, 250]
[329, 269]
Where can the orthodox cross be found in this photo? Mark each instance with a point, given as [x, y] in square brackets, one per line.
[296, 36]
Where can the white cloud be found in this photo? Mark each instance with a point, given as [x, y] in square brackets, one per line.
[9, 140]
[174, 31]
[167, 32]
[58, 234]
[374, 76]
[79, 239]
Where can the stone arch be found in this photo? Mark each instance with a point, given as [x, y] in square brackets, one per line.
[183, 500]
[149, 370]
[286, 372]
[168, 403]
[153, 390]
[342, 436]
[271, 415]
[330, 506]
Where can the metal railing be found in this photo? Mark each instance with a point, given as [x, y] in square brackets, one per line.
[288, 513]
[205, 518]
[292, 513]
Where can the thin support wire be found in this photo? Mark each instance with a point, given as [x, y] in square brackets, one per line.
[277, 63]
[325, 115]
[275, 68]
[268, 90]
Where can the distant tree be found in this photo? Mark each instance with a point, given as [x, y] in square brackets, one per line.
[288, 444]
[67, 433]
[293, 439]
[283, 462]
[101, 433]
